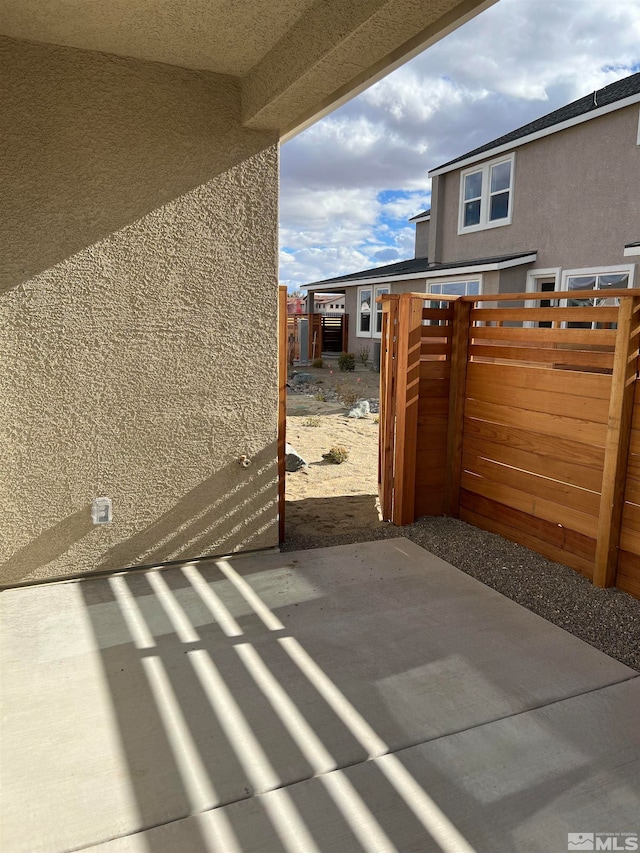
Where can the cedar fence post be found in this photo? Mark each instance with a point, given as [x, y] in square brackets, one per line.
[388, 372]
[407, 395]
[625, 367]
[457, 389]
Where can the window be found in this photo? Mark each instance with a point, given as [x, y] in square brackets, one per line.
[608, 278]
[457, 288]
[369, 311]
[364, 312]
[377, 332]
[453, 288]
[486, 195]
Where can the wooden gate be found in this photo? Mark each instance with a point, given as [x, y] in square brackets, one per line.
[334, 333]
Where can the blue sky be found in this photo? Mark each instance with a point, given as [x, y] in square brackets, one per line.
[350, 182]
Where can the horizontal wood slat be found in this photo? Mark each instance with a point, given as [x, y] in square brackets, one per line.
[541, 379]
[445, 314]
[558, 315]
[559, 537]
[585, 432]
[580, 358]
[570, 496]
[538, 507]
[537, 336]
[524, 534]
[566, 405]
[537, 463]
[439, 348]
[628, 578]
[551, 446]
[440, 331]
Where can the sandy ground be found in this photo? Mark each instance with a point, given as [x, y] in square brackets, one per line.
[327, 498]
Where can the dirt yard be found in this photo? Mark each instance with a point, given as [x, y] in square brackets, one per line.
[324, 497]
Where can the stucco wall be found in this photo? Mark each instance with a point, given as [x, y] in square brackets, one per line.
[576, 198]
[138, 332]
[422, 239]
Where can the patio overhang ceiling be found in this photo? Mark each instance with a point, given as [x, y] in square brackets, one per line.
[295, 60]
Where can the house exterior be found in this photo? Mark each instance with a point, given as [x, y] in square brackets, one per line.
[331, 304]
[553, 205]
[138, 270]
[296, 304]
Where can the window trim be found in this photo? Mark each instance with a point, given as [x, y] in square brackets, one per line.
[532, 287]
[374, 288]
[485, 197]
[465, 280]
[629, 269]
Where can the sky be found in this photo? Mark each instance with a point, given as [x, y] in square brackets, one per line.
[351, 181]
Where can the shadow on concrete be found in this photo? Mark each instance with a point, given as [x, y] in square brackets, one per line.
[217, 701]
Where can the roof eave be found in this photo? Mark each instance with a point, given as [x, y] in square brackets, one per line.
[532, 137]
[431, 273]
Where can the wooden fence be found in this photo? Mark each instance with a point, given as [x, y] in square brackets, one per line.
[524, 421]
[323, 334]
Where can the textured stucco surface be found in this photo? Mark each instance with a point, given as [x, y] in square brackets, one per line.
[337, 47]
[295, 59]
[209, 35]
[138, 317]
[576, 201]
[422, 239]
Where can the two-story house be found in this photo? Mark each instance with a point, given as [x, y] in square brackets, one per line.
[553, 205]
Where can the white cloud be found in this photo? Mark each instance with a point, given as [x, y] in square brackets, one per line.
[513, 63]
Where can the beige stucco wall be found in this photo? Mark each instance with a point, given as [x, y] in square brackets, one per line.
[576, 199]
[138, 320]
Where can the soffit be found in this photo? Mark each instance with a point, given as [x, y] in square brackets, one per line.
[223, 36]
[296, 59]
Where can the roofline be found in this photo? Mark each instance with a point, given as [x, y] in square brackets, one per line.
[631, 251]
[461, 270]
[420, 218]
[538, 134]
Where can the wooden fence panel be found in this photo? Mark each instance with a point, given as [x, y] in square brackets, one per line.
[527, 426]
[414, 405]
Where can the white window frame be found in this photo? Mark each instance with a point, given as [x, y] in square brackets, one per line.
[532, 287]
[485, 197]
[375, 292]
[465, 280]
[629, 269]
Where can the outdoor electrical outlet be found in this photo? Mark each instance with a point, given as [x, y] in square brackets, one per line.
[101, 511]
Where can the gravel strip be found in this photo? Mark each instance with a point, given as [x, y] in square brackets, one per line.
[608, 619]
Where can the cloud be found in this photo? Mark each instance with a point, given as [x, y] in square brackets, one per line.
[350, 182]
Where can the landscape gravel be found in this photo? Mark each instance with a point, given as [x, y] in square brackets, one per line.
[608, 619]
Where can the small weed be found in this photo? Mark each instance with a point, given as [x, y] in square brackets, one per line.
[376, 420]
[347, 393]
[363, 355]
[337, 455]
[321, 397]
[347, 362]
[317, 362]
[312, 422]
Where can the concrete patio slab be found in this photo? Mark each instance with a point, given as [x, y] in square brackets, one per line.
[520, 784]
[139, 700]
